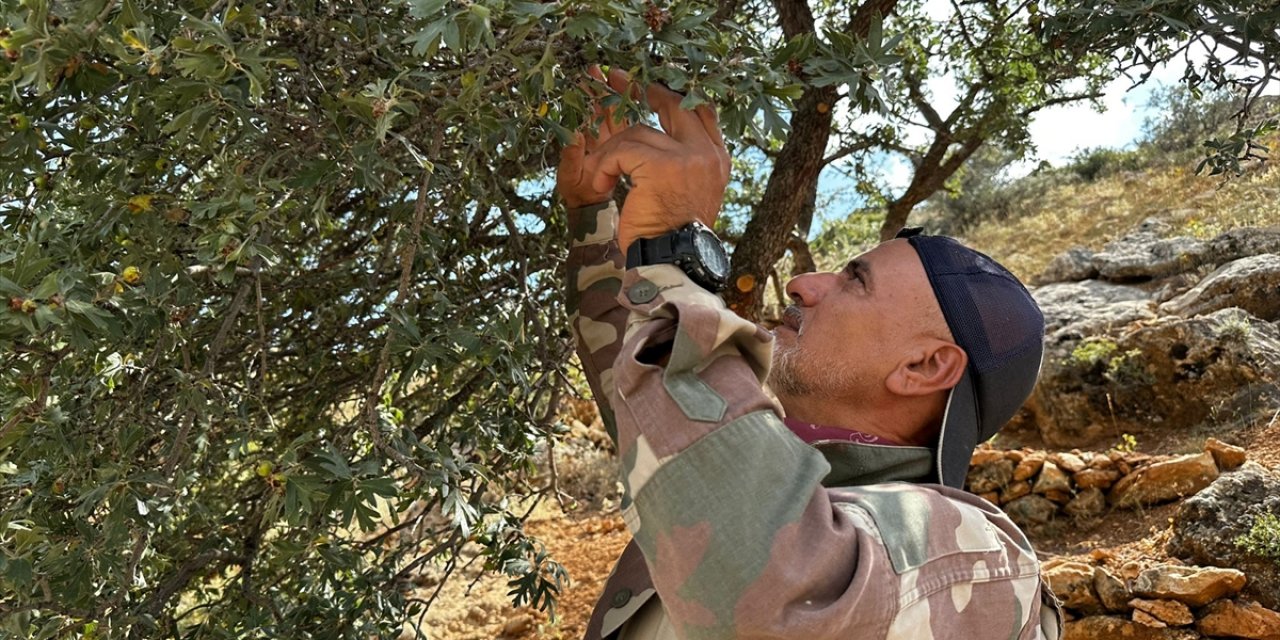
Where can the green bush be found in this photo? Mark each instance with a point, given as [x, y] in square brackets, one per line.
[1099, 162]
[1263, 538]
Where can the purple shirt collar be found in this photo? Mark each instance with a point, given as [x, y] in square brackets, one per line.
[814, 433]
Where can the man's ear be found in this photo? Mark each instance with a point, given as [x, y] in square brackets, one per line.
[932, 367]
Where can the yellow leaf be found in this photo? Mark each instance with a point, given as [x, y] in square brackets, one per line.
[131, 275]
[543, 109]
[140, 203]
[133, 41]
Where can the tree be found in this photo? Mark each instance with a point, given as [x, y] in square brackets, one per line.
[284, 321]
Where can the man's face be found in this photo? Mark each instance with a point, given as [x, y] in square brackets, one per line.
[847, 330]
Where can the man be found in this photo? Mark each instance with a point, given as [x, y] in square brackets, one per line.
[823, 523]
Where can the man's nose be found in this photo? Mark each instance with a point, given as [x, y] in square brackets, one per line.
[807, 289]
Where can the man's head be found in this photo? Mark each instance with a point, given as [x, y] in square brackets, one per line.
[917, 338]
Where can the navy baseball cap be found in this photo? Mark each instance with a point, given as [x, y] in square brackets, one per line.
[994, 319]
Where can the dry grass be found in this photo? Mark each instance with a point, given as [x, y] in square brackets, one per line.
[1092, 214]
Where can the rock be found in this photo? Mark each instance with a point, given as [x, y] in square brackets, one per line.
[1206, 526]
[1164, 481]
[1069, 462]
[1228, 457]
[990, 496]
[1195, 586]
[1169, 374]
[1096, 478]
[1080, 309]
[1251, 283]
[983, 455]
[1115, 628]
[991, 476]
[1072, 583]
[1031, 510]
[1058, 496]
[517, 625]
[1243, 241]
[1101, 462]
[1029, 466]
[1112, 592]
[1087, 504]
[1051, 478]
[1014, 491]
[1147, 253]
[1075, 264]
[1168, 612]
[1239, 620]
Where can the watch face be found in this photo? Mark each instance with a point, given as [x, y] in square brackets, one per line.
[712, 254]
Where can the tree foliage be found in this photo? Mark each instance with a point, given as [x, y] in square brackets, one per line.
[283, 320]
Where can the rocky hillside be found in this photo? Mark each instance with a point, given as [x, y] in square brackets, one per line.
[1146, 467]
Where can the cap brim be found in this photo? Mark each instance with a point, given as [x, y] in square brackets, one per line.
[959, 433]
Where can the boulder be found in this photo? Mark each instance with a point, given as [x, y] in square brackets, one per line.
[1251, 283]
[1014, 491]
[1168, 374]
[1206, 526]
[1164, 481]
[1114, 628]
[1228, 457]
[1089, 503]
[1194, 586]
[1243, 241]
[1112, 591]
[1169, 612]
[1076, 310]
[1031, 510]
[1239, 620]
[1069, 462]
[1076, 264]
[1146, 253]
[992, 476]
[984, 454]
[1072, 583]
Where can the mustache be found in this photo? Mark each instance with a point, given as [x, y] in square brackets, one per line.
[793, 317]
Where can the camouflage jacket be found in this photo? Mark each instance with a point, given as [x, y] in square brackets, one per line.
[741, 530]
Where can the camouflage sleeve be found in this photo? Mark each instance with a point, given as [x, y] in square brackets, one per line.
[594, 270]
[740, 537]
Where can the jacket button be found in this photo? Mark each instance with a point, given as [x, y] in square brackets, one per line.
[621, 598]
[642, 292]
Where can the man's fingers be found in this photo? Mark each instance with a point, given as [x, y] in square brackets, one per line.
[625, 153]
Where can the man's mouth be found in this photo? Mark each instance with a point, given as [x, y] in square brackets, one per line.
[792, 317]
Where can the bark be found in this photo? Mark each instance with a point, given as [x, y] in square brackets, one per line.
[930, 175]
[794, 180]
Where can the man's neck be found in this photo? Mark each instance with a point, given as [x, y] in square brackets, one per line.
[895, 425]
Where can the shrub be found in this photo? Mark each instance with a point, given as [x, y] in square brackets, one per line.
[1263, 538]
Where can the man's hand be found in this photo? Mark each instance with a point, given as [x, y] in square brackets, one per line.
[677, 177]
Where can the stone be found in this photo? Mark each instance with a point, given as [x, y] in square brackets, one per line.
[1014, 491]
[1029, 466]
[1081, 309]
[1147, 252]
[1112, 592]
[1058, 496]
[1251, 283]
[1072, 583]
[1075, 264]
[1194, 586]
[1168, 612]
[1227, 456]
[1160, 376]
[990, 496]
[1069, 462]
[1206, 526]
[1089, 503]
[991, 476]
[1031, 510]
[1239, 620]
[1164, 481]
[1241, 242]
[1096, 478]
[1143, 618]
[1116, 628]
[983, 455]
[517, 625]
[1102, 462]
[1051, 478]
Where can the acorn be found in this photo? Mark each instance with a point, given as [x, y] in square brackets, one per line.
[131, 275]
[29, 306]
[15, 303]
[19, 121]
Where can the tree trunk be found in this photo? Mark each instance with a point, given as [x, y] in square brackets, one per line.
[793, 184]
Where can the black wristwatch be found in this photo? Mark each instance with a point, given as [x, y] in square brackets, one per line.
[694, 248]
